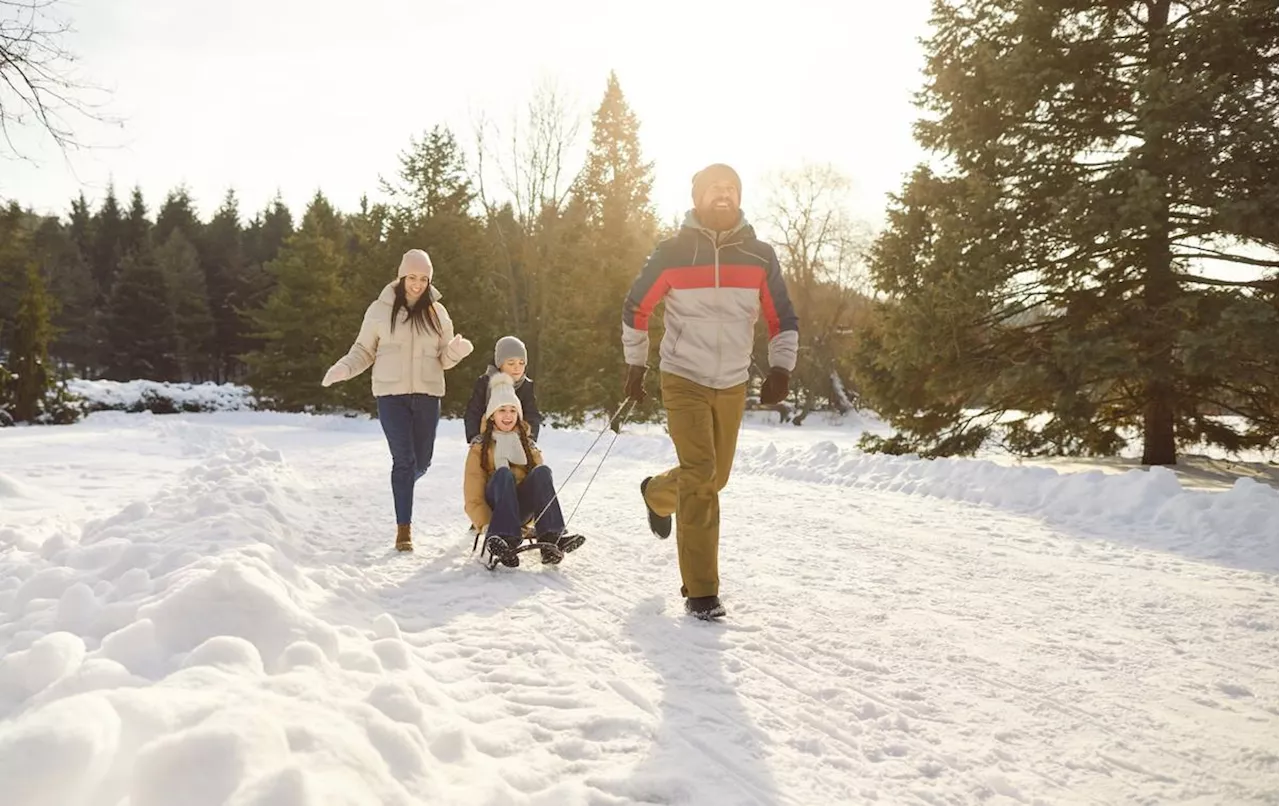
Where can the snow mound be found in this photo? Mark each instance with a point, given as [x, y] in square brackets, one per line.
[1237, 527]
[12, 488]
[162, 657]
[161, 397]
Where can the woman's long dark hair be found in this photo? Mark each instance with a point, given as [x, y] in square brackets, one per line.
[486, 443]
[422, 314]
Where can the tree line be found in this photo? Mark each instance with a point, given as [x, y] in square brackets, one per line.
[270, 303]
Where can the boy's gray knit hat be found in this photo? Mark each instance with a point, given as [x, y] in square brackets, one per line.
[509, 347]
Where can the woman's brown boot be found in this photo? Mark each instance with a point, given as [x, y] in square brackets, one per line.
[403, 540]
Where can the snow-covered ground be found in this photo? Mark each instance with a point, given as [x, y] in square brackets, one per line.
[205, 609]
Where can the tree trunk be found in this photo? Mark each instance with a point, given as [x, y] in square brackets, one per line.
[1161, 288]
[1158, 447]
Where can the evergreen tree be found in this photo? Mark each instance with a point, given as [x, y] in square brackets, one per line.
[70, 285]
[177, 214]
[306, 323]
[179, 262]
[612, 228]
[1103, 164]
[109, 240]
[80, 227]
[222, 257]
[136, 237]
[15, 244]
[263, 239]
[28, 364]
[432, 180]
[74, 284]
[104, 256]
[140, 323]
[28, 388]
[267, 233]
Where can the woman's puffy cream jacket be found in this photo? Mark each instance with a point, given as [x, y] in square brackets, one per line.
[406, 361]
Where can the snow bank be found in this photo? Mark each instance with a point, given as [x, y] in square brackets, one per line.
[171, 653]
[161, 398]
[1237, 527]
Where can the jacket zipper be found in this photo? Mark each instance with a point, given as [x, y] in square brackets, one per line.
[717, 248]
[719, 324]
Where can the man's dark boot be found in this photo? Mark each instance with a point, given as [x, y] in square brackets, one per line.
[660, 525]
[704, 607]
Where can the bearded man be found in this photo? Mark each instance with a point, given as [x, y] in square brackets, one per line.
[716, 277]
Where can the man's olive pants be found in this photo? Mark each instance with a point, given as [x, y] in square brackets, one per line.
[704, 426]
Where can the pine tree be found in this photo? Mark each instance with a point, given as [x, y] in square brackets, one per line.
[15, 245]
[179, 262]
[177, 214]
[70, 285]
[307, 322]
[80, 226]
[432, 180]
[267, 233]
[140, 323]
[137, 227]
[263, 239]
[222, 257]
[611, 210]
[74, 284]
[105, 253]
[1100, 161]
[109, 240]
[28, 361]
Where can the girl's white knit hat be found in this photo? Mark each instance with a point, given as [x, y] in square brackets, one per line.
[502, 392]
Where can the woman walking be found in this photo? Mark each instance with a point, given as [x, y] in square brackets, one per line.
[408, 339]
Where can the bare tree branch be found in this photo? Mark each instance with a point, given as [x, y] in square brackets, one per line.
[530, 162]
[37, 82]
[532, 166]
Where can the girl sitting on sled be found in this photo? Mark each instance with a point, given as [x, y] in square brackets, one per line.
[506, 483]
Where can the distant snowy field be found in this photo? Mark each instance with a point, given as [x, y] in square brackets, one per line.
[204, 609]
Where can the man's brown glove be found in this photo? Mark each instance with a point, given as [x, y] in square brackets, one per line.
[774, 388]
[633, 386]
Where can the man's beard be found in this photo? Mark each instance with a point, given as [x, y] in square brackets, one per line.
[719, 220]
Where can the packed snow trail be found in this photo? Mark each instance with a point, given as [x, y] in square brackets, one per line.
[209, 610]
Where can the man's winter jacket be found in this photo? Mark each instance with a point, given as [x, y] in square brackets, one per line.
[715, 289]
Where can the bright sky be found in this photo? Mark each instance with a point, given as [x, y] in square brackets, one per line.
[262, 95]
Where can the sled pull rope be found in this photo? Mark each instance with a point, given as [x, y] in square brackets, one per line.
[614, 424]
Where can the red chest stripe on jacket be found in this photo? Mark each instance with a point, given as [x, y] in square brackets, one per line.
[731, 276]
[684, 278]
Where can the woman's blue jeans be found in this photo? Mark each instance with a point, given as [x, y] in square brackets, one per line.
[409, 423]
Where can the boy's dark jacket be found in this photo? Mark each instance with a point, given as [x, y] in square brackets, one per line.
[480, 400]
